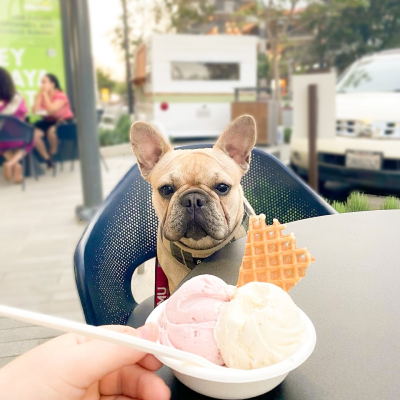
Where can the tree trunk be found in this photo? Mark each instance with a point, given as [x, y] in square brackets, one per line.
[277, 92]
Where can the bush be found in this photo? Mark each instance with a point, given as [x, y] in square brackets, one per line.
[339, 207]
[287, 133]
[110, 137]
[391, 203]
[357, 202]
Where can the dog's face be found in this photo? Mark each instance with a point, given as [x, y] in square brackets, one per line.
[197, 194]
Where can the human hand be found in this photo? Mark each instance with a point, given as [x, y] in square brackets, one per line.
[75, 367]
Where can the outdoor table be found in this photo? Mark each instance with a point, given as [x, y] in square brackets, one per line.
[352, 295]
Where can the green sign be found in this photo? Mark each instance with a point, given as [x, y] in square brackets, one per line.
[31, 43]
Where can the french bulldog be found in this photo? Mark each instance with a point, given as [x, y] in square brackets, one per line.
[197, 194]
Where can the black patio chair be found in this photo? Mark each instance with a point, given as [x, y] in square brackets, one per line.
[122, 235]
[17, 135]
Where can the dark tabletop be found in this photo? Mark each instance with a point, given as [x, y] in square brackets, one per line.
[352, 295]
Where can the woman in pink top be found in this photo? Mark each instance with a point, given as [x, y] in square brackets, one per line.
[13, 104]
[53, 103]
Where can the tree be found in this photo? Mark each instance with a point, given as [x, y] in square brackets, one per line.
[276, 16]
[347, 33]
[282, 19]
[263, 66]
[161, 16]
[185, 14]
[104, 80]
[144, 17]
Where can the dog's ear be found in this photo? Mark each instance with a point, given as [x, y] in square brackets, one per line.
[148, 145]
[238, 140]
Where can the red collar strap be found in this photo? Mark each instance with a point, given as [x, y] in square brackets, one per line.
[162, 288]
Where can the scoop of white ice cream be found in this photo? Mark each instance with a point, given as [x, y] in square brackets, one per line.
[260, 326]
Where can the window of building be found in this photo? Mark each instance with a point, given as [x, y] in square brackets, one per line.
[203, 71]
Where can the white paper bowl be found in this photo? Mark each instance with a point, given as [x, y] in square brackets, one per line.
[230, 383]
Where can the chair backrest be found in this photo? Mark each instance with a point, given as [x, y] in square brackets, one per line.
[99, 113]
[13, 129]
[122, 235]
[67, 131]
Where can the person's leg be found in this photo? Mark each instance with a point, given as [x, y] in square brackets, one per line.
[18, 176]
[7, 168]
[40, 145]
[53, 140]
[17, 171]
[12, 168]
[13, 157]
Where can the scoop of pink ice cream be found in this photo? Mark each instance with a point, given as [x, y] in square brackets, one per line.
[190, 315]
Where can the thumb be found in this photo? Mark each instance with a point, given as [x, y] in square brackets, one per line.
[98, 358]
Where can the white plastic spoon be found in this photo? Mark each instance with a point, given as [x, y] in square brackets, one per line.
[106, 335]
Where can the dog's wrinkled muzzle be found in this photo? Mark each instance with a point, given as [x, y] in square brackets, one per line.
[195, 215]
[194, 202]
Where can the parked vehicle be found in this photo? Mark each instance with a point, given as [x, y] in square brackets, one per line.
[366, 149]
[184, 84]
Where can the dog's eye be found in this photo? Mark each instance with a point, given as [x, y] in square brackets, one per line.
[222, 188]
[166, 191]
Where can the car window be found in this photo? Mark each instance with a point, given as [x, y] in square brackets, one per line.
[381, 74]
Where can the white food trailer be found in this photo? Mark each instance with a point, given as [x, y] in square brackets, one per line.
[184, 84]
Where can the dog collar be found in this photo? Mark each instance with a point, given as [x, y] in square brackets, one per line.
[191, 258]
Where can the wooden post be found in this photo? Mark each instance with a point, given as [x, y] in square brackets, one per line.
[312, 136]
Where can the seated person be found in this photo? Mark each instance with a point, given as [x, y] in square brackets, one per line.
[53, 104]
[12, 103]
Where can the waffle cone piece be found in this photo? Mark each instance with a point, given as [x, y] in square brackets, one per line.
[270, 256]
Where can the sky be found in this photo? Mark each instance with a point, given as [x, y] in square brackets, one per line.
[104, 17]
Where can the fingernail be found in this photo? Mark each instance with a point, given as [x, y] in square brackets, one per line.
[147, 331]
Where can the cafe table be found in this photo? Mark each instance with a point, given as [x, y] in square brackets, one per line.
[352, 295]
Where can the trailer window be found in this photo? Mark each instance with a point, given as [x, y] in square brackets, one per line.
[202, 71]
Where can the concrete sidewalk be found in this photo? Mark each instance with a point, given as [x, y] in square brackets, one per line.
[38, 238]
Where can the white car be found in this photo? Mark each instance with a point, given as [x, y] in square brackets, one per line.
[366, 149]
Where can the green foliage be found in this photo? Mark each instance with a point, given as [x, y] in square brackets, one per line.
[143, 17]
[391, 203]
[124, 125]
[263, 66]
[347, 30]
[110, 137]
[186, 14]
[339, 207]
[104, 80]
[287, 133]
[161, 16]
[121, 89]
[357, 202]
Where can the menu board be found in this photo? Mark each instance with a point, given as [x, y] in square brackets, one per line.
[31, 43]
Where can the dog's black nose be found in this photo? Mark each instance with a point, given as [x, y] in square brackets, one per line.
[193, 200]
